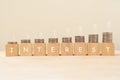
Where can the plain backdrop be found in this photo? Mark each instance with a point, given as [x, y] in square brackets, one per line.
[23, 19]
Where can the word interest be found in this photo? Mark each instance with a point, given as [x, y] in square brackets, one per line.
[66, 48]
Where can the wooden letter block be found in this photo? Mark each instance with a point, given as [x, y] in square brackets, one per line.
[67, 49]
[93, 49]
[12, 50]
[53, 49]
[108, 49]
[80, 49]
[25, 49]
[39, 49]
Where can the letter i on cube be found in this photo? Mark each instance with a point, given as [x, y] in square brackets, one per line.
[12, 49]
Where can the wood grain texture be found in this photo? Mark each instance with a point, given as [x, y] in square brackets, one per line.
[110, 51]
[60, 68]
[39, 49]
[83, 50]
[15, 49]
[53, 49]
[67, 49]
[93, 49]
[25, 49]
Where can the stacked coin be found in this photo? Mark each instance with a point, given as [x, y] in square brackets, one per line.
[53, 40]
[12, 42]
[67, 40]
[79, 39]
[93, 38]
[25, 41]
[107, 37]
[39, 40]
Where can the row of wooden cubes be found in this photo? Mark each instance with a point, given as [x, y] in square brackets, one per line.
[66, 48]
[63, 49]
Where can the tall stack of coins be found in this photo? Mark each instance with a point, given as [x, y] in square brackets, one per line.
[53, 47]
[26, 48]
[39, 47]
[107, 37]
[80, 47]
[12, 49]
[67, 46]
[93, 45]
[107, 45]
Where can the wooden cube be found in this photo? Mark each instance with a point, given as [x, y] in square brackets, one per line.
[93, 49]
[25, 49]
[12, 50]
[53, 49]
[108, 49]
[67, 49]
[39, 49]
[80, 49]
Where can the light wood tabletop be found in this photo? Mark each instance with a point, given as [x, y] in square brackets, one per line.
[60, 68]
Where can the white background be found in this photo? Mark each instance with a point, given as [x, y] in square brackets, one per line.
[74, 17]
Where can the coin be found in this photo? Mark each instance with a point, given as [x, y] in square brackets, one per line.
[107, 37]
[12, 42]
[25, 41]
[53, 40]
[67, 39]
[93, 38]
[79, 39]
[39, 40]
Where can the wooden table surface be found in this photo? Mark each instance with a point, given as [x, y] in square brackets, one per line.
[60, 68]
